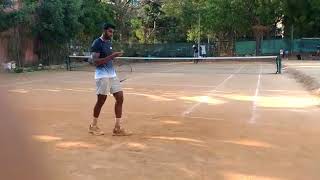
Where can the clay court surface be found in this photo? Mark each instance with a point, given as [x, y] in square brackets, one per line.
[206, 121]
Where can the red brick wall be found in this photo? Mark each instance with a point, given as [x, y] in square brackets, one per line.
[28, 54]
[3, 49]
[28, 45]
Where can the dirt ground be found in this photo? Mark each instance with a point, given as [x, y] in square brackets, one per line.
[228, 121]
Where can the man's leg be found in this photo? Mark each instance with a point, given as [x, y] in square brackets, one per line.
[118, 130]
[93, 128]
[101, 99]
[102, 91]
[118, 107]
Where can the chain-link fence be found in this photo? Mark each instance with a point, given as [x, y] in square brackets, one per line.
[304, 45]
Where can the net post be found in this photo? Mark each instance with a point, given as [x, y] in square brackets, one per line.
[68, 63]
[278, 63]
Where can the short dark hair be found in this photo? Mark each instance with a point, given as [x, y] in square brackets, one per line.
[108, 25]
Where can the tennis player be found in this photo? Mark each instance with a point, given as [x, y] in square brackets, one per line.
[106, 81]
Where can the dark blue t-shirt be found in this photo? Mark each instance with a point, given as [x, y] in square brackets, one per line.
[105, 49]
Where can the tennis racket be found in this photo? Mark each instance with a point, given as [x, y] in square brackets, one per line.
[123, 70]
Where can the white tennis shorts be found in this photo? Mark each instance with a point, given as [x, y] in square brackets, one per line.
[107, 86]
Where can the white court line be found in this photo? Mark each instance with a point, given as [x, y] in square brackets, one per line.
[91, 81]
[146, 76]
[171, 63]
[189, 58]
[172, 85]
[21, 83]
[255, 99]
[189, 110]
[171, 70]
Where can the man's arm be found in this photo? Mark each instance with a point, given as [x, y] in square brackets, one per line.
[99, 61]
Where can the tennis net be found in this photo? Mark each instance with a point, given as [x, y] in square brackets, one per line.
[80, 63]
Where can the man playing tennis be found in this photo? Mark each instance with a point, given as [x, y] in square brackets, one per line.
[106, 80]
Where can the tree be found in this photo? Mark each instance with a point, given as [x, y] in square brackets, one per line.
[150, 14]
[57, 21]
[303, 16]
[94, 14]
[229, 20]
[153, 24]
[123, 12]
[16, 16]
[186, 15]
[267, 13]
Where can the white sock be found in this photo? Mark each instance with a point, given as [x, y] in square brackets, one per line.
[94, 121]
[118, 122]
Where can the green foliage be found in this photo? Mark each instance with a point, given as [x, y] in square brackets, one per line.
[303, 16]
[18, 70]
[59, 22]
[12, 18]
[94, 14]
[137, 30]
